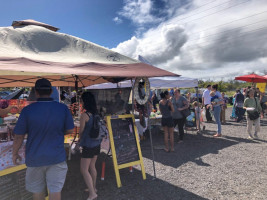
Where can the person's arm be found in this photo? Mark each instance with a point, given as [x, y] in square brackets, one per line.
[20, 130]
[171, 106]
[5, 111]
[186, 105]
[160, 107]
[18, 140]
[245, 104]
[83, 119]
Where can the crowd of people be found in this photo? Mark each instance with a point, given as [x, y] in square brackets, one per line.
[47, 121]
[214, 105]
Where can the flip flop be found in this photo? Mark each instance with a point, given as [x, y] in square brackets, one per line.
[166, 150]
[92, 198]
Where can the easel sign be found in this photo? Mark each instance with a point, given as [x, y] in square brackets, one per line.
[124, 142]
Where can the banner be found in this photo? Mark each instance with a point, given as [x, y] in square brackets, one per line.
[261, 86]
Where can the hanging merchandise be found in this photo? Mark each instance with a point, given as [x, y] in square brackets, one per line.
[141, 90]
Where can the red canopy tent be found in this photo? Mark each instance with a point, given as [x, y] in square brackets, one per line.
[254, 78]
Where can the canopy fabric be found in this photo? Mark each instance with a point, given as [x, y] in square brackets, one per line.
[29, 52]
[155, 83]
[254, 78]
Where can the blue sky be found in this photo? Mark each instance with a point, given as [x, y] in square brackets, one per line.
[203, 39]
[88, 19]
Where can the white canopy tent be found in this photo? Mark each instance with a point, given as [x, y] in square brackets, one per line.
[155, 83]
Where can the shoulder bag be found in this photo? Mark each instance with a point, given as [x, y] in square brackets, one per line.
[185, 113]
[253, 115]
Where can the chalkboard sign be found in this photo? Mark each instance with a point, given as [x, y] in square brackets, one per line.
[124, 140]
[124, 143]
[12, 186]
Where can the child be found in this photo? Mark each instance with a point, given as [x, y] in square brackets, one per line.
[214, 99]
[198, 115]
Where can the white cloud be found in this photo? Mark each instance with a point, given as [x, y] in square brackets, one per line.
[117, 20]
[207, 41]
[139, 11]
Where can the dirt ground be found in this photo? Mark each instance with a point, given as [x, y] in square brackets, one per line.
[202, 167]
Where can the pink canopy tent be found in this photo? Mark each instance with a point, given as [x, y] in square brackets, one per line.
[30, 50]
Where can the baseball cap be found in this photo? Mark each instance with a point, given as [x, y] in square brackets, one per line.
[43, 84]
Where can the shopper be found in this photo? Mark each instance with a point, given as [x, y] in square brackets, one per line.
[90, 147]
[223, 107]
[166, 107]
[239, 103]
[252, 105]
[179, 104]
[198, 117]
[217, 110]
[206, 102]
[45, 121]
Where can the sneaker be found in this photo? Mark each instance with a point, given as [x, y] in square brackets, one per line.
[250, 138]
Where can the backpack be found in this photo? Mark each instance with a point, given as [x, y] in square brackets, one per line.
[98, 130]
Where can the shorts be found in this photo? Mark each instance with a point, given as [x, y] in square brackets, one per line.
[90, 152]
[51, 176]
[167, 122]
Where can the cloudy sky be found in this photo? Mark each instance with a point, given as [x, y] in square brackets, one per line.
[203, 39]
[206, 39]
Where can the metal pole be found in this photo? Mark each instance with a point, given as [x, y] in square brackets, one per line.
[198, 106]
[151, 142]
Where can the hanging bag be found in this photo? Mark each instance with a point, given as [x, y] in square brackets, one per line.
[253, 115]
[186, 112]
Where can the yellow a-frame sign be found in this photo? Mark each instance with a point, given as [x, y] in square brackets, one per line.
[123, 137]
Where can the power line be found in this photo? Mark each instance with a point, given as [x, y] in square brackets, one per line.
[227, 31]
[204, 10]
[237, 36]
[231, 22]
[213, 13]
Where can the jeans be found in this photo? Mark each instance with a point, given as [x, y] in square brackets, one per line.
[208, 116]
[181, 123]
[239, 112]
[217, 113]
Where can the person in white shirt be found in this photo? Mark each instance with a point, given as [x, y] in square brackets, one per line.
[206, 102]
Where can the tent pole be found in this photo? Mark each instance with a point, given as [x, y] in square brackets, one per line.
[151, 142]
[132, 96]
[198, 106]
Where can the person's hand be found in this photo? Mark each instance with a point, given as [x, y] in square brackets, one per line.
[180, 109]
[262, 116]
[16, 159]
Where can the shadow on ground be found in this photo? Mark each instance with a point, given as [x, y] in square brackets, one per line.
[133, 186]
[191, 150]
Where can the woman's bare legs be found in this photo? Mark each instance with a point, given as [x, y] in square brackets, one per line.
[84, 167]
[166, 138]
[93, 171]
[171, 138]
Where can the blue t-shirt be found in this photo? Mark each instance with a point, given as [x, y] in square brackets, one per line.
[45, 122]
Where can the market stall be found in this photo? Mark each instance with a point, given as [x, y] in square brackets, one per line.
[30, 50]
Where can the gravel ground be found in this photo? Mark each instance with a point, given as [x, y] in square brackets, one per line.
[203, 167]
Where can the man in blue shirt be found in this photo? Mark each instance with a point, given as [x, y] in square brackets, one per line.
[45, 122]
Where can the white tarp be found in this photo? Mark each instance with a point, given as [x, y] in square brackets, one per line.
[156, 83]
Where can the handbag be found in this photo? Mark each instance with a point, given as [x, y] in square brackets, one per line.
[186, 112]
[253, 114]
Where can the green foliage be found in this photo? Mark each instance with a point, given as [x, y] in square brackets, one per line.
[224, 86]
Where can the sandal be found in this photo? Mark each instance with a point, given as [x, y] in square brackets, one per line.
[92, 198]
[217, 135]
[166, 150]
